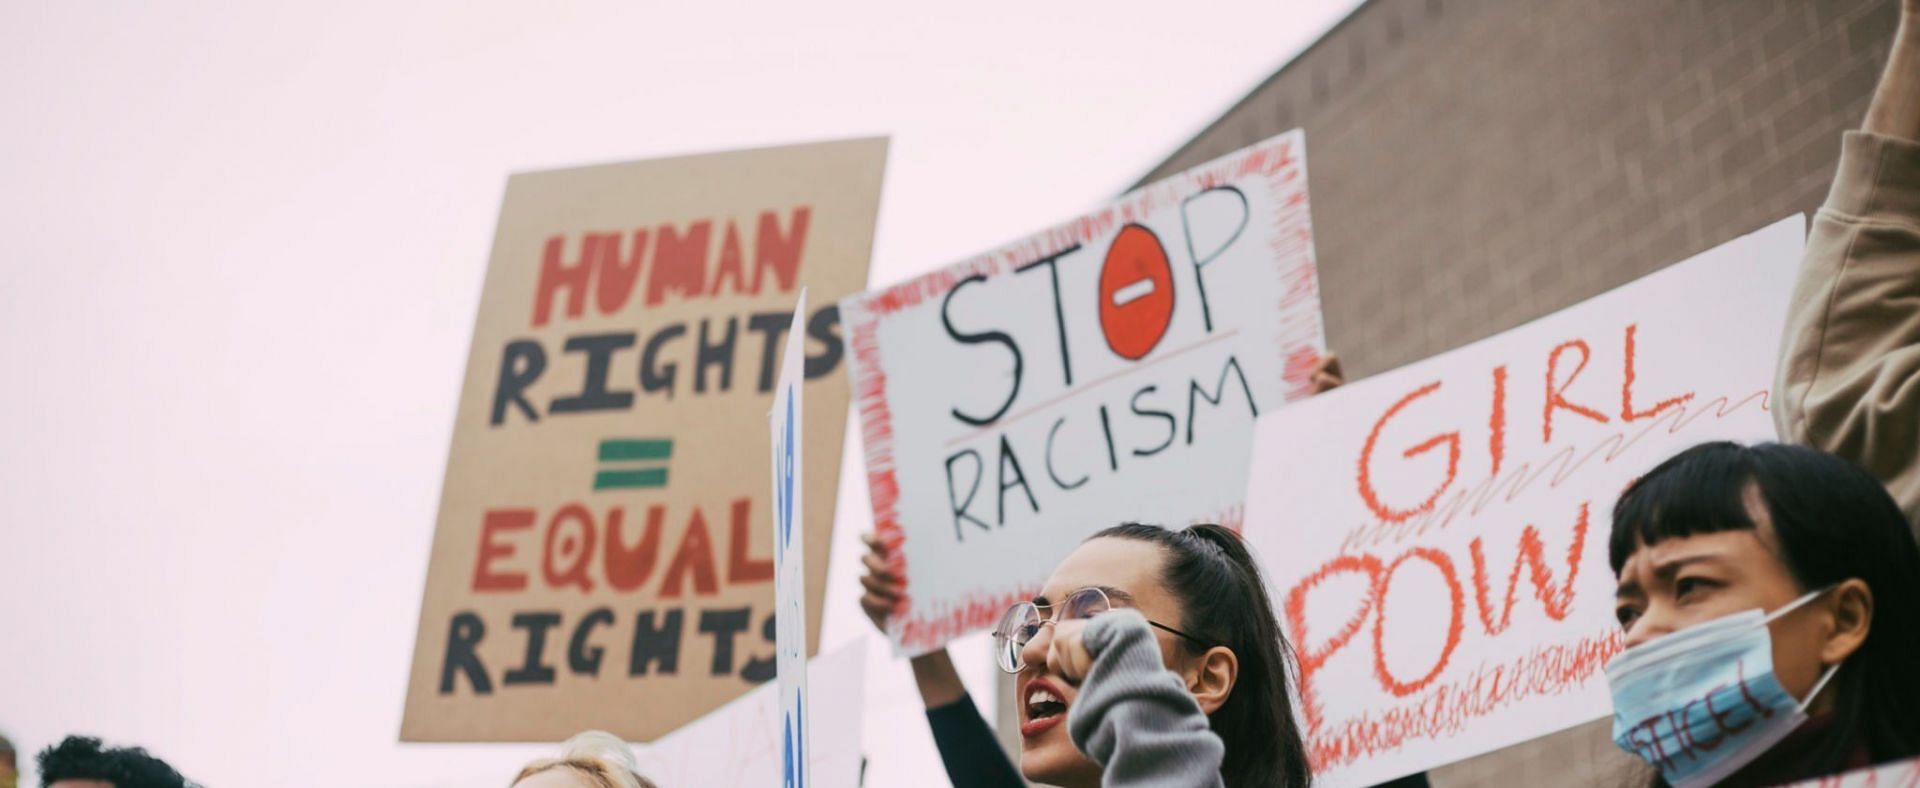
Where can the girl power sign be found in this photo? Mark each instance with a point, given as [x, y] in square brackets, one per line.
[1105, 370]
[1435, 537]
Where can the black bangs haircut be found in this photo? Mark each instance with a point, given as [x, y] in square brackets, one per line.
[1832, 522]
[1223, 600]
[85, 758]
[1698, 491]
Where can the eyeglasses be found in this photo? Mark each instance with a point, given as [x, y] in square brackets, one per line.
[1022, 622]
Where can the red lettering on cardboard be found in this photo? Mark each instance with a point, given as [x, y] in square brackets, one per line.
[628, 569]
[742, 568]
[695, 557]
[733, 267]
[574, 548]
[617, 275]
[778, 251]
[679, 262]
[492, 524]
[556, 275]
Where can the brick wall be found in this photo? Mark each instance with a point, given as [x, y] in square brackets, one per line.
[1478, 163]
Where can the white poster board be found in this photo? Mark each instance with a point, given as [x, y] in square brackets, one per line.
[1105, 370]
[789, 556]
[1435, 537]
[1898, 774]
[739, 745]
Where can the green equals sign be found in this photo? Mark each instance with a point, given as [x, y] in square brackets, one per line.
[643, 463]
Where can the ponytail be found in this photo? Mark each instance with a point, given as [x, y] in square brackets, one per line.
[1223, 601]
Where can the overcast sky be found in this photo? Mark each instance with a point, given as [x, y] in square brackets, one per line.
[241, 248]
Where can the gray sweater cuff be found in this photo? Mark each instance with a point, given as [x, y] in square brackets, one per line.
[1134, 717]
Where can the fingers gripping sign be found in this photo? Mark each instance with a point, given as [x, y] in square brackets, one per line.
[881, 583]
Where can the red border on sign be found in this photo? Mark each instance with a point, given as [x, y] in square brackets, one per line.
[1283, 166]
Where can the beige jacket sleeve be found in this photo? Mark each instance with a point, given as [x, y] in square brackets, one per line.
[1849, 377]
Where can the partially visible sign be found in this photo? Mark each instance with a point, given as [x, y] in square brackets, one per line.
[789, 558]
[1899, 774]
[1105, 370]
[739, 745]
[1436, 536]
[603, 556]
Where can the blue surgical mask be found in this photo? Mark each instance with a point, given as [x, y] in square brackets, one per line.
[1702, 702]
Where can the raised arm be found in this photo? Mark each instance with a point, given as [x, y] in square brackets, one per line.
[968, 750]
[1895, 111]
[1849, 376]
[933, 671]
[1133, 716]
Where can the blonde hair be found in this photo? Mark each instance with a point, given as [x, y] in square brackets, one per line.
[600, 759]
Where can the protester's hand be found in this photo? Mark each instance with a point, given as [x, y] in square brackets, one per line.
[1067, 653]
[883, 586]
[1327, 375]
[933, 671]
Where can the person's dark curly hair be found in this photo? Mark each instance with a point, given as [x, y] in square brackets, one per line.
[82, 758]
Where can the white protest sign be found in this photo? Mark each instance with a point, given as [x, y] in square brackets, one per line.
[1105, 370]
[1898, 774]
[739, 745]
[1435, 537]
[789, 564]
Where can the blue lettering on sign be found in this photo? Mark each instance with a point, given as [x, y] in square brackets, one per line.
[784, 506]
[794, 747]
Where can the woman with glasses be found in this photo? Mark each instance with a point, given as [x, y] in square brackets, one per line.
[1155, 650]
[1152, 657]
[973, 757]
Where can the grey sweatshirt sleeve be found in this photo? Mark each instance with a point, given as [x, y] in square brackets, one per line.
[1134, 717]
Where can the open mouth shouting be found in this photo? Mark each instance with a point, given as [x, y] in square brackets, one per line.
[1043, 707]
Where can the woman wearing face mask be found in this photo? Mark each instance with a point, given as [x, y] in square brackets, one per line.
[1155, 653]
[1770, 597]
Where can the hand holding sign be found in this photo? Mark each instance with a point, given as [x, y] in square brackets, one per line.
[1105, 370]
[883, 587]
[1327, 375]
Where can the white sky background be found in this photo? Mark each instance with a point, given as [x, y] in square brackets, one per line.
[241, 248]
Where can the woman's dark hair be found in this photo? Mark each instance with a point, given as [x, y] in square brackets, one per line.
[83, 758]
[1833, 522]
[1224, 602]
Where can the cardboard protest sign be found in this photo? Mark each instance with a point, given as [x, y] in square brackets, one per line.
[739, 745]
[1104, 370]
[604, 551]
[1435, 537]
[789, 555]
